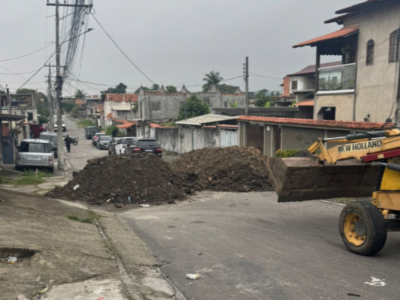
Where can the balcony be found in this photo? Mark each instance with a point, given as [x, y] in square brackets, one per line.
[337, 79]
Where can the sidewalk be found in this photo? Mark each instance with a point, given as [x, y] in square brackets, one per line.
[74, 253]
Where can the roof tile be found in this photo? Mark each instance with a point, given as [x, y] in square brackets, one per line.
[121, 97]
[330, 36]
[306, 103]
[319, 123]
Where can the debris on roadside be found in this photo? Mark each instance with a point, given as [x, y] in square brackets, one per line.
[230, 169]
[76, 187]
[144, 205]
[122, 179]
[22, 297]
[12, 259]
[353, 295]
[192, 276]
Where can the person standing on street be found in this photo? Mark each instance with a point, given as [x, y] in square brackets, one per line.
[114, 132]
[68, 142]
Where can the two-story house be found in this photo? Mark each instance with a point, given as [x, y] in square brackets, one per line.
[121, 106]
[365, 86]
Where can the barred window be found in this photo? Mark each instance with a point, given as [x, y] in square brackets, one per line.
[394, 46]
[370, 52]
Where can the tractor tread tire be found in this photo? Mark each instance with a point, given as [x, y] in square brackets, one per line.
[375, 226]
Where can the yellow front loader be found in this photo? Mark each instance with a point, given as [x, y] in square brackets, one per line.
[360, 165]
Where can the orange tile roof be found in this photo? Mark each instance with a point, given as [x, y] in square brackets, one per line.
[319, 123]
[122, 97]
[330, 36]
[126, 125]
[109, 116]
[155, 125]
[79, 102]
[211, 127]
[241, 94]
[306, 103]
[228, 126]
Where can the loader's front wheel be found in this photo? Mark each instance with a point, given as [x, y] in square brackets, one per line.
[362, 228]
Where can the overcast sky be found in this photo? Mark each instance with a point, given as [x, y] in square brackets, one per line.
[174, 42]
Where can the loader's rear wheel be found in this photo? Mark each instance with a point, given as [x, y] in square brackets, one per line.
[362, 228]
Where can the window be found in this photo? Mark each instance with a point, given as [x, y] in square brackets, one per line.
[370, 52]
[294, 85]
[394, 46]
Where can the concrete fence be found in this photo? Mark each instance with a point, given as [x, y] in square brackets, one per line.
[182, 140]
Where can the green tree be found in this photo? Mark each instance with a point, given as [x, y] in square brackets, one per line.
[233, 104]
[262, 100]
[68, 106]
[119, 89]
[79, 94]
[193, 107]
[144, 88]
[227, 89]
[211, 78]
[42, 119]
[267, 105]
[155, 87]
[171, 89]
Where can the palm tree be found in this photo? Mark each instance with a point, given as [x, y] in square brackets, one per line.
[211, 79]
[79, 94]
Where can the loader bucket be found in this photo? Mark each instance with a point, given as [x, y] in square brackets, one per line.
[304, 178]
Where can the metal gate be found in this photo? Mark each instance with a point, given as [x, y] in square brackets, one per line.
[8, 150]
[255, 137]
[229, 138]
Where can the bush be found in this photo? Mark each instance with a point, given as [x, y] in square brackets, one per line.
[42, 120]
[85, 123]
[286, 153]
[109, 130]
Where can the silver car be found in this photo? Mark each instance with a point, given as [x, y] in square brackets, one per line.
[35, 153]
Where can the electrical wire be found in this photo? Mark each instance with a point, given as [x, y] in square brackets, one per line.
[265, 76]
[18, 57]
[13, 74]
[126, 56]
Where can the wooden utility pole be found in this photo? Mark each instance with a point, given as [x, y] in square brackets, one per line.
[246, 78]
[51, 104]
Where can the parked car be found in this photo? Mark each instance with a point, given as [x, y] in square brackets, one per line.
[64, 128]
[123, 144]
[35, 153]
[142, 145]
[90, 131]
[103, 141]
[52, 138]
[95, 137]
[112, 144]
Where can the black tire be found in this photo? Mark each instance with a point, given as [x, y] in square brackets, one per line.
[18, 168]
[369, 221]
[51, 170]
[75, 142]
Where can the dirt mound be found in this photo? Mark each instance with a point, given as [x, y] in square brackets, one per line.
[143, 178]
[232, 169]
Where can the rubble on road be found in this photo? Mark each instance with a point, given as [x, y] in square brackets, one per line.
[230, 169]
[122, 179]
[143, 179]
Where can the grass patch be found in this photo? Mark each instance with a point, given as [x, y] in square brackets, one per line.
[85, 123]
[91, 218]
[108, 247]
[30, 178]
[4, 180]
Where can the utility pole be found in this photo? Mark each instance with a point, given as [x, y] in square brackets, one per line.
[246, 78]
[60, 144]
[51, 105]
[8, 100]
[59, 79]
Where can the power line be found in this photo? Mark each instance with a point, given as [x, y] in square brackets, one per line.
[266, 76]
[13, 74]
[26, 54]
[137, 68]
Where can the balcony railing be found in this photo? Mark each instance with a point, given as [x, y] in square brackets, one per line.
[337, 79]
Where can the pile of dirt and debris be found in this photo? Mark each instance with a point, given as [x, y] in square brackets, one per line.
[232, 169]
[134, 179]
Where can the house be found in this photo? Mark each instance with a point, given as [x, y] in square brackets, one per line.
[286, 98]
[209, 130]
[269, 134]
[281, 112]
[79, 102]
[365, 86]
[121, 106]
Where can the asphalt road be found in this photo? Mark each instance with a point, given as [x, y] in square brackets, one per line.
[247, 246]
[84, 150]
